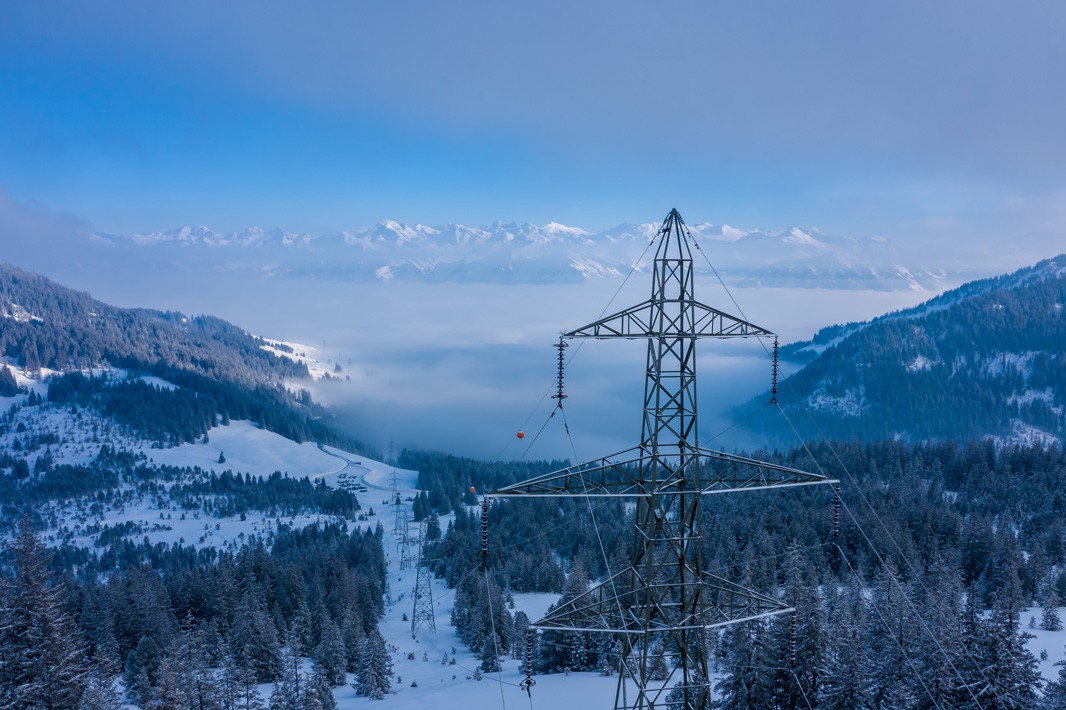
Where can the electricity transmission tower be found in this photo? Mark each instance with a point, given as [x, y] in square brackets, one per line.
[399, 519]
[422, 615]
[665, 596]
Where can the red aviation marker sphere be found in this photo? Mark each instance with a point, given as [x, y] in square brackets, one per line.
[473, 490]
[521, 435]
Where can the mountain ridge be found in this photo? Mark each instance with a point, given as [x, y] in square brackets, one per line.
[550, 253]
[112, 359]
[984, 360]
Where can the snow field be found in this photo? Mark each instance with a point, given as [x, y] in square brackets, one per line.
[452, 687]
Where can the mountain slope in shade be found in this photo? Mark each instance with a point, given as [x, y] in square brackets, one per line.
[984, 360]
[90, 354]
[43, 324]
[552, 253]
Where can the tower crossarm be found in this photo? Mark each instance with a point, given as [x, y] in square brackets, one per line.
[703, 471]
[614, 475]
[613, 607]
[656, 318]
[720, 472]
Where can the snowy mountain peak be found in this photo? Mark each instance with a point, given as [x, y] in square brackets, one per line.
[796, 257]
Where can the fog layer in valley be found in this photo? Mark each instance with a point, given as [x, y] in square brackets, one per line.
[462, 367]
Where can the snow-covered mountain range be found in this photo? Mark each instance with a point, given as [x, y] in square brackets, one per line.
[553, 253]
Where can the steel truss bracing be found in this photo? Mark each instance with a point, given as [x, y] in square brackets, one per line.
[399, 520]
[405, 543]
[665, 596]
[422, 615]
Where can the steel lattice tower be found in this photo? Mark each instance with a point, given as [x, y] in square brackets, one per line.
[665, 595]
[405, 541]
[399, 518]
[422, 615]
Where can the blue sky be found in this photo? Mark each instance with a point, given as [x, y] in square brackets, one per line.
[914, 120]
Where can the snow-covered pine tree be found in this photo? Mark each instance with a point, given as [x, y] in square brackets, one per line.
[1010, 668]
[675, 698]
[891, 635]
[568, 650]
[375, 670]
[844, 685]
[99, 694]
[239, 686]
[795, 680]
[1049, 614]
[330, 654]
[747, 683]
[171, 689]
[42, 655]
[972, 688]
[1054, 697]
[320, 689]
[490, 660]
[142, 669]
[942, 653]
[518, 640]
[255, 639]
[290, 688]
[187, 661]
[658, 669]
[352, 634]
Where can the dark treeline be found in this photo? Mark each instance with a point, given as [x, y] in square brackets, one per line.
[59, 328]
[185, 414]
[187, 627]
[967, 365]
[447, 479]
[8, 386]
[226, 494]
[915, 603]
[26, 494]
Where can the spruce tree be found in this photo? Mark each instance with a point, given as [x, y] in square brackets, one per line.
[658, 670]
[844, 685]
[891, 635]
[375, 670]
[1054, 697]
[1049, 615]
[99, 694]
[747, 683]
[255, 639]
[330, 654]
[289, 688]
[320, 690]
[490, 660]
[941, 652]
[42, 655]
[1012, 670]
[796, 678]
[352, 635]
[142, 669]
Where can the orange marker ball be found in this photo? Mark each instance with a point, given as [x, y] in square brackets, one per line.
[521, 435]
[473, 490]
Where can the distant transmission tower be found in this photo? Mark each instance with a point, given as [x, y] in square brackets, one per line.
[665, 594]
[399, 519]
[405, 542]
[423, 611]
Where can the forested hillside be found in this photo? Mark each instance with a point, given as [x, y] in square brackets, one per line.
[43, 324]
[206, 370]
[913, 603]
[984, 360]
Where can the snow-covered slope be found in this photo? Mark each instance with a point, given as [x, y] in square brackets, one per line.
[45, 435]
[982, 360]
